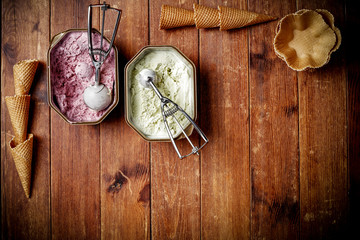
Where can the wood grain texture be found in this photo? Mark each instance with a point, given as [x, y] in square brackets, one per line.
[283, 156]
[224, 111]
[25, 36]
[125, 163]
[323, 141]
[175, 186]
[75, 153]
[352, 49]
[274, 138]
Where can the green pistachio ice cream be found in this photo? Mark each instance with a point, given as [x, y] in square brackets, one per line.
[174, 81]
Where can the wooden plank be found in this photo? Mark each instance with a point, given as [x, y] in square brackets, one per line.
[274, 133]
[75, 153]
[175, 184]
[353, 62]
[125, 165]
[25, 35]
[224, 111]
[323, 141]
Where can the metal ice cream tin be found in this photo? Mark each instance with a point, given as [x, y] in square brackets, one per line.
[130, 68]
[52, 99]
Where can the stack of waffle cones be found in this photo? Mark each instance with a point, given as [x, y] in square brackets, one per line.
[21, 144]
[205, 17]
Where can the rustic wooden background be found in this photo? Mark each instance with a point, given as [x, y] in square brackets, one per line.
[283, 158]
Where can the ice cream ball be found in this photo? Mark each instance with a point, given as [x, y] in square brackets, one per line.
[84, 70]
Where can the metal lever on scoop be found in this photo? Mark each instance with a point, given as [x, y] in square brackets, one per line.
[100, 51]
[98, 96]
[168, 109]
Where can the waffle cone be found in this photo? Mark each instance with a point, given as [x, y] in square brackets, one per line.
[18, 107]
[24, 72]
[311, 47]
[22, 155]
[206, 17]
[329, 19]
[173, 17]
[231, 18]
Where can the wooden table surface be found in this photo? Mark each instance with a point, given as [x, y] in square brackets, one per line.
[283, 157]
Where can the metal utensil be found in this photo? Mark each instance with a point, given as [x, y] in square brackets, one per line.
[168, 109]
[98, 96]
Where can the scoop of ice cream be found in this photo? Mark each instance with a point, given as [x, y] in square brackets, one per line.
[147, 75]
[84, 70]
[97, 97]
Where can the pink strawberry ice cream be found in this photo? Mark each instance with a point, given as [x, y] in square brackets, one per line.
[84, 70]
[72, 71]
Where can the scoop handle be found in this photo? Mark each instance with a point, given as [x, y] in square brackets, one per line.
[97, 74]
[158, 93]
[103, 53]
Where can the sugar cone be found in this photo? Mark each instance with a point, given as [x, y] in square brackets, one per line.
[18, 107]
[235, 18]
[22, 155]
[24, 72]
[206, 17]
[173, 17]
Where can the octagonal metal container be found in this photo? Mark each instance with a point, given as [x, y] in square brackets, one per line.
[128, 74]
[52, 102]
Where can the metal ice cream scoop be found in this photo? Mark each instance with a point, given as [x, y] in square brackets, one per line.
[98, 96]
[168, 109]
